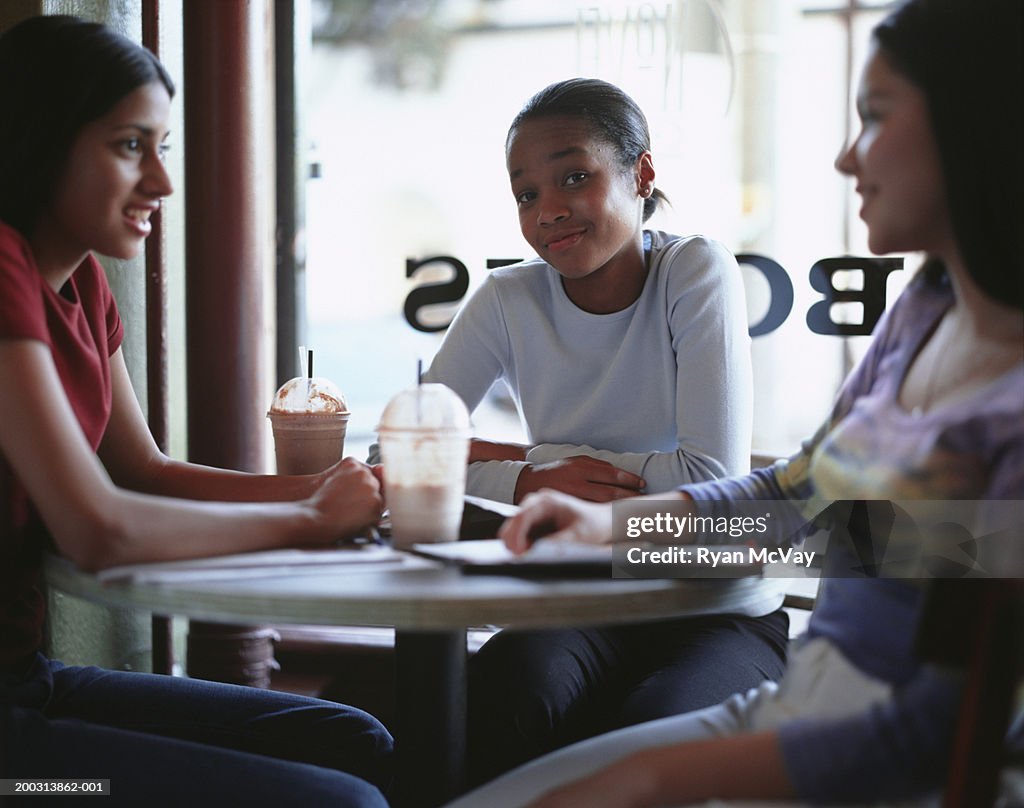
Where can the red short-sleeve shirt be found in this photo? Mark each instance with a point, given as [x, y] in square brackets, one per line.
[81, 326]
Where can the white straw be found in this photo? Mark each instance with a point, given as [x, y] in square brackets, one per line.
[419, 389]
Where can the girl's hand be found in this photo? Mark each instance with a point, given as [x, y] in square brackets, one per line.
[349, 499]
[490, 450]
[555, 515]
[584, 477]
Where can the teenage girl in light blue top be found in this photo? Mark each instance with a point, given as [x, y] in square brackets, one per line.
[627, 353]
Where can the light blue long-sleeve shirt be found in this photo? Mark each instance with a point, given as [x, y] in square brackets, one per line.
[662, 388]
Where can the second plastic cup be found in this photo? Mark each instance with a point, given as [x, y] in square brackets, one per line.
[424, 446]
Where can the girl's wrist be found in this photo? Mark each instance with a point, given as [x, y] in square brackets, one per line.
[309, 525]
[483, 450]
[523, 484]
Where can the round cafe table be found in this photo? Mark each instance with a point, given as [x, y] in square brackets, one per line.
[430, 605]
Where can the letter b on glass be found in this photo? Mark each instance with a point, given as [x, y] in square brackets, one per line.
[871, 296]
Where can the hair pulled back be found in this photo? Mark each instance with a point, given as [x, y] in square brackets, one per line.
[608, 112]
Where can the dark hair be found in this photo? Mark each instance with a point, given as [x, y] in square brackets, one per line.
[609, 113]
[57, 74]
[965, 56]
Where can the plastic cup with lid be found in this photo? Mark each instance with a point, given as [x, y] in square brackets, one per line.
[424, 446]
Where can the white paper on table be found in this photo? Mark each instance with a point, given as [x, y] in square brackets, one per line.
[502, 508]
[494, 551]
[270, 563]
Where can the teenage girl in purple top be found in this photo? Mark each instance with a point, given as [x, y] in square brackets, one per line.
[935, 411]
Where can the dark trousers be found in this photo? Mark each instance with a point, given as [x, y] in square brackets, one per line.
[531, 692]
[162, 740]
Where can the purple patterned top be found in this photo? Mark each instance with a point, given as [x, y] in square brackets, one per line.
[873, 449]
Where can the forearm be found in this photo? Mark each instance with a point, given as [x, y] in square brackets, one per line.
[172, 478]
[481, 450]
[127, 527]
[495, 479]
[736, 767]
[134, 462]
[714, 395]
[663, 471]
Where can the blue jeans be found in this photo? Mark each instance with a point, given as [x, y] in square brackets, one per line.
[173, 741]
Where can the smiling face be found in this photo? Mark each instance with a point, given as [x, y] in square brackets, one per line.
[579, 207]
[895, 162]
[112, 182]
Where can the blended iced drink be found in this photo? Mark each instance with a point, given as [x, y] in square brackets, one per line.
[309, 417]
[424, 446]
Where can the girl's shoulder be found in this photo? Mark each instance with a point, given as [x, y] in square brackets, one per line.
[13, 246]
[692, 265]
[921, 297]
[8, 232]
[695, 244]
[912, 315]
[520, 269]
[22, 293]
[22, 287]
[517, 285]
[525, 275]
[18, 273]
[692, 255]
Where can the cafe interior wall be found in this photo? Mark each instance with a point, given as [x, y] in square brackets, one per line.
[80, 632]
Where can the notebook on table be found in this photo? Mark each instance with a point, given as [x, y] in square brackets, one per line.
[548, 559]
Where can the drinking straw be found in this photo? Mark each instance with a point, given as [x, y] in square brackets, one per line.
[309, 364]
[419, 387]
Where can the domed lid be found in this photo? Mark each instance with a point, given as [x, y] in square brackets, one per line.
[433, 407]
[316, 395]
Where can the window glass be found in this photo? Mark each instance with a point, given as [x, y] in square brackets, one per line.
[409, 107]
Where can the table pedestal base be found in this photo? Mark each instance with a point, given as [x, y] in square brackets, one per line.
[430, 693]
